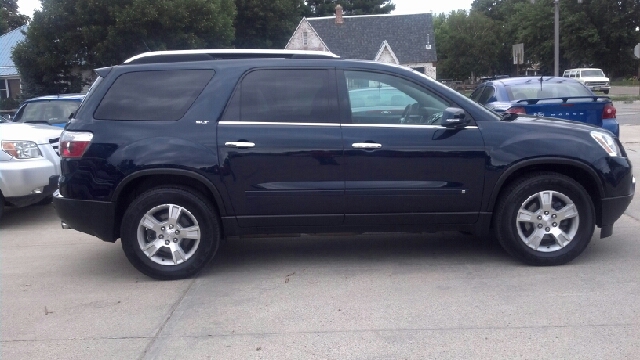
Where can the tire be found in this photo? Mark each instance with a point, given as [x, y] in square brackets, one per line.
[606, 92]
[1, 205]
[520, 220]
[46, 201]
[170, 254]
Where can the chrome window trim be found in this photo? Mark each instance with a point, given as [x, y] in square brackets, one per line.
[275, 123]
[400, 126]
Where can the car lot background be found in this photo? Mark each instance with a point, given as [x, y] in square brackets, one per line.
[66, 295]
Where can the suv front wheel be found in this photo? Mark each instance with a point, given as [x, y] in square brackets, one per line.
[545, 219]
[170, 233]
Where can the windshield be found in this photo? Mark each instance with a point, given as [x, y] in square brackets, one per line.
[592, 73]
[533, 90]
[49, 112]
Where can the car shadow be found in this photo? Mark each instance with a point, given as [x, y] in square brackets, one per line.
[356, 250]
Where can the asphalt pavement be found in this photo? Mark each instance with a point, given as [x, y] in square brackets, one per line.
[67, 295]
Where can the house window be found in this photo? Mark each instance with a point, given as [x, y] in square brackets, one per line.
[305, 38]
[4, 89]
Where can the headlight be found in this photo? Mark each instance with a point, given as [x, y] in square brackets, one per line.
[606, 142]
[21, 149]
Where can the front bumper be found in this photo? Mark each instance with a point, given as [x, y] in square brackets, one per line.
[20, 178]
[599, 87]
[35, 197]
[612, 209]
[95, 218]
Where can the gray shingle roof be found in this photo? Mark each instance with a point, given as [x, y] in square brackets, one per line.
[360, 37]
[7, 42]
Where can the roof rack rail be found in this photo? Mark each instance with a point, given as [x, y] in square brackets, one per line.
[225, 54]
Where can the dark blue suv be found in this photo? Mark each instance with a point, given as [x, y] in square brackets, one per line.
[172, 151]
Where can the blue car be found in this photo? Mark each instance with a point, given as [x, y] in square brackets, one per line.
[556, 97]
[51, 109]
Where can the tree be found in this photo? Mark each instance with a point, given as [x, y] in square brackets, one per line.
[266, 24]
[317, 8]
[67, 36]
[468, 44]
[10, 18]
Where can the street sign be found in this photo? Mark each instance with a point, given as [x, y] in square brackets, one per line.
[636, 51]
[518, 54]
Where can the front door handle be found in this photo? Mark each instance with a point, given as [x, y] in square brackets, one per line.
[239, 144]
[366, 145]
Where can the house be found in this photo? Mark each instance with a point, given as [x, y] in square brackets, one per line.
[406, 40]
[9, 78]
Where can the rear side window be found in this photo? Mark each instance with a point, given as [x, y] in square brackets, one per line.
[152, 95]
[487, 93]
[296, 95]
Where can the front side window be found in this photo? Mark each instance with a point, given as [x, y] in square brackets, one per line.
[152, 95]
[295, 96]
[377, 98]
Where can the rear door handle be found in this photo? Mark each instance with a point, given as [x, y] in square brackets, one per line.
[366, 145]
[239, 144]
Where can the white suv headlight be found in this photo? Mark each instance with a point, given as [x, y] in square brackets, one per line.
[607, 142]
[21, 149]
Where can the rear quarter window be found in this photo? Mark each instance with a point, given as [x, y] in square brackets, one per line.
[159, 95]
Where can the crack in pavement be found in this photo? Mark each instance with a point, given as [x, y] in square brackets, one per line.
[151, 348]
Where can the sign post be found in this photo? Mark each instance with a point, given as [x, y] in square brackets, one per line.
[636, 53]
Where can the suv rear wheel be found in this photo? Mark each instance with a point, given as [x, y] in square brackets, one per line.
[545, 219]
[170, 233]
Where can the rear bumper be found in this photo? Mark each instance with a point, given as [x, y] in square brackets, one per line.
[95, 218]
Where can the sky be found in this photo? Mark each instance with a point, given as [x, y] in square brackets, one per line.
[402, 6]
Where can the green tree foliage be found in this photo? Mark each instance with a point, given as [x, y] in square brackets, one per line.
[70, 35]
[598, 33]
[266, 24]
[317, 8]
[468, 44]
[9, 17]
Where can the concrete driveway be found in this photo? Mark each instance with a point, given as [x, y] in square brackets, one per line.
[66, 295]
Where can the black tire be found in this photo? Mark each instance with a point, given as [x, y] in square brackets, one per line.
[196, 208]
[1, 205]
[606, 92]
[519, 192]
[46, 201]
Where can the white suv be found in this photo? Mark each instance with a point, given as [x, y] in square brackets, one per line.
[29, 163]
[592, 78]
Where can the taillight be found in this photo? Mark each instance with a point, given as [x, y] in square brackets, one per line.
[609, 112]
[516, 110]
[73, 144]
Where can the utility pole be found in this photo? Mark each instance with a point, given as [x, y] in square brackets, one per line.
[556, 68]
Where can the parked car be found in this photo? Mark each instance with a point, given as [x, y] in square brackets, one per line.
[29, 164]
[51, 109]
[172, 151]
[556, 97]
[592, 78]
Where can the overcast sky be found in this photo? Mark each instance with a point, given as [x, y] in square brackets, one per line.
[402, 6]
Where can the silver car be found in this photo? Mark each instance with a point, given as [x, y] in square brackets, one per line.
[29, 163]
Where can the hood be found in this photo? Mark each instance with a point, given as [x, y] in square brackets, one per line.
[37, 133]
[557, 124]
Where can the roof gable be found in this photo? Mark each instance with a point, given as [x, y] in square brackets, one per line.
[7, 42]
[359, 37]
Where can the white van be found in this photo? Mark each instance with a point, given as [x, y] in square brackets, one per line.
[592, 78]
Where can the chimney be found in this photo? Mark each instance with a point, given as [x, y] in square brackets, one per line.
[339, 19]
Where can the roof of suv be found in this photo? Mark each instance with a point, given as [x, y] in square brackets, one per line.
[78, 97]
[220, 54]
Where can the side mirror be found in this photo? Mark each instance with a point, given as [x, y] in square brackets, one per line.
[454, 118]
